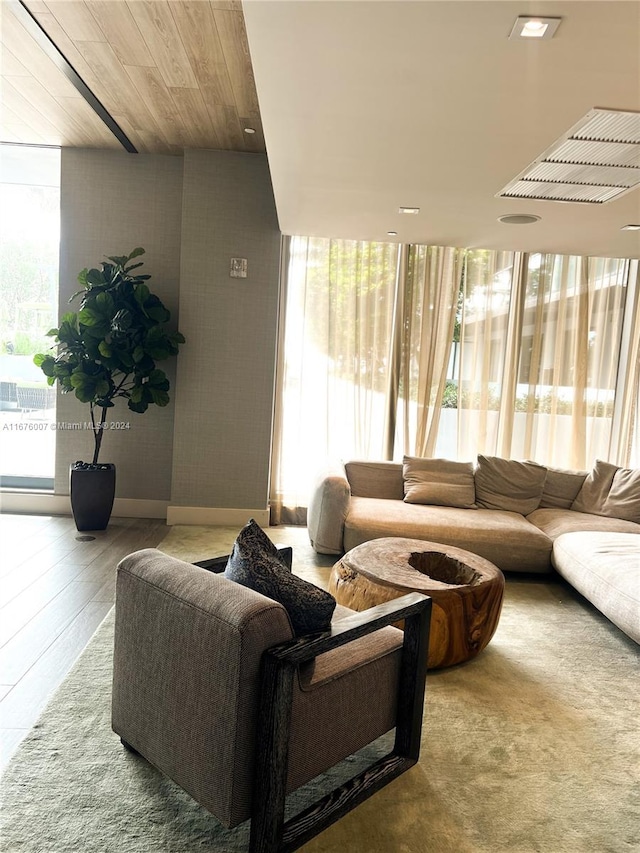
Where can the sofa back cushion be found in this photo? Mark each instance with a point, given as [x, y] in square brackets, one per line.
[595, 488]
[440, 482]
[623, 500]
[375, 479]
[561, 488]
[509, 484]
[610, 491]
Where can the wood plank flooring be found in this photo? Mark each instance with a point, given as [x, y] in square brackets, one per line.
[55, 589]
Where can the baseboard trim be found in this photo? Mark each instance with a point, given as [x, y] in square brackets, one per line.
[137, 508]
[39, 503]
[35, 503]
[215, 516]
[46, 503]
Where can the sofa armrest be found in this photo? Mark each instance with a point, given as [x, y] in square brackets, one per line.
[327, 512]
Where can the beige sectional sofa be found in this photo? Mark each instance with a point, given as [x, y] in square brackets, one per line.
[521, 516]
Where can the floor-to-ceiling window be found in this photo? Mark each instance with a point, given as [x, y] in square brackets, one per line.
[334, 365]
[540, 348]
[433, 351]
[29, 250]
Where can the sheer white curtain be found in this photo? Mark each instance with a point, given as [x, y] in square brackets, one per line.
[334, 360]
[625, 438]
[368, 367]
[429, 306]
[627, 451]
[541, 339]
[631, 450]
[485, 316]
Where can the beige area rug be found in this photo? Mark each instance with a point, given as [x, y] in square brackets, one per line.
[533, 747]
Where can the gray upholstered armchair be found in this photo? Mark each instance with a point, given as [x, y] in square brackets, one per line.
[212, 688]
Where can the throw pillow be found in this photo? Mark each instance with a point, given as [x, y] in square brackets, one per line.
[610, 491]
[623, 500]
[254, 563]
[561, 488]
[375, 479]
[509, 484]
[595, 488]
[438, 481]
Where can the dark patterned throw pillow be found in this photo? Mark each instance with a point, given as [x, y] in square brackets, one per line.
[254, 563]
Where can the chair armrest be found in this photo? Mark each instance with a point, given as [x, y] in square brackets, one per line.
[219, 564]
[350, 628]
[328, 508]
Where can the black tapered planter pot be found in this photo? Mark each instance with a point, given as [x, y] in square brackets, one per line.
[92, 489]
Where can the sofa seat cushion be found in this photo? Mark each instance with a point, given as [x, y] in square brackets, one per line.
[555, 522]
[605, 568]
[504, 538]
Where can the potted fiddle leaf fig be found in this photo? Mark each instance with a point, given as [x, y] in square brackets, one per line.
[105, 350]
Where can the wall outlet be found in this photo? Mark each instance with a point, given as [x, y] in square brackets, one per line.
[238, 268]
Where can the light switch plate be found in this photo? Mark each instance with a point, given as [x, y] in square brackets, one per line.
[238, 268]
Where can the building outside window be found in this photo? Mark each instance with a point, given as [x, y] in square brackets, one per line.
[29, 251]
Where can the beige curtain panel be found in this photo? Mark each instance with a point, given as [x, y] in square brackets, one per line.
[337, 317]
[539, 356]
[429, 316]
[436, 351]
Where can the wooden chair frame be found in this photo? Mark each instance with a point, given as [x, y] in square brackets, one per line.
[269, 833]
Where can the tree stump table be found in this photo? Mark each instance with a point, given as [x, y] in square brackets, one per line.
[466, 590]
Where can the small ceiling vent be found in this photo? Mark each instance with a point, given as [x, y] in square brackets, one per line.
[594, 162]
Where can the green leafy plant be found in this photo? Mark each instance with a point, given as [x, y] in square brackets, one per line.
[110, 346]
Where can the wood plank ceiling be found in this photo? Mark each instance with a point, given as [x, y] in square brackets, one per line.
[173, 74]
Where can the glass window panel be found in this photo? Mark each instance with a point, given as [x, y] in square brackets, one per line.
[29, 249]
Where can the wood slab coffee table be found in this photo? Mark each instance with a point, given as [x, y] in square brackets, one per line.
[466, 590]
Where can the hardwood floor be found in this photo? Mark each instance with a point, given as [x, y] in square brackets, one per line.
[55, 589]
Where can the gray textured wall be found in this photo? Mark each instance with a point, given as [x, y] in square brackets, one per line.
[211, 446]
[224, 396]
[112, 202]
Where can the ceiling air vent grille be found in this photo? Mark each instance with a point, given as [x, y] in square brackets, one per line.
[610, 126]
[597, 160]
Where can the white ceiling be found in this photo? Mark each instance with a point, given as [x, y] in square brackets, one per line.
[367, 106]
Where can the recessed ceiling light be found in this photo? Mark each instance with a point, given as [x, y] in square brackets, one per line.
[533, 30]
[518, 218]
[408, 210]
[395, 233]
[630, 228]
[249, 130]
[534, 27]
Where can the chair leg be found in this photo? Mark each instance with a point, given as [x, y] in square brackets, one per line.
[413, 676]
[267, 819]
